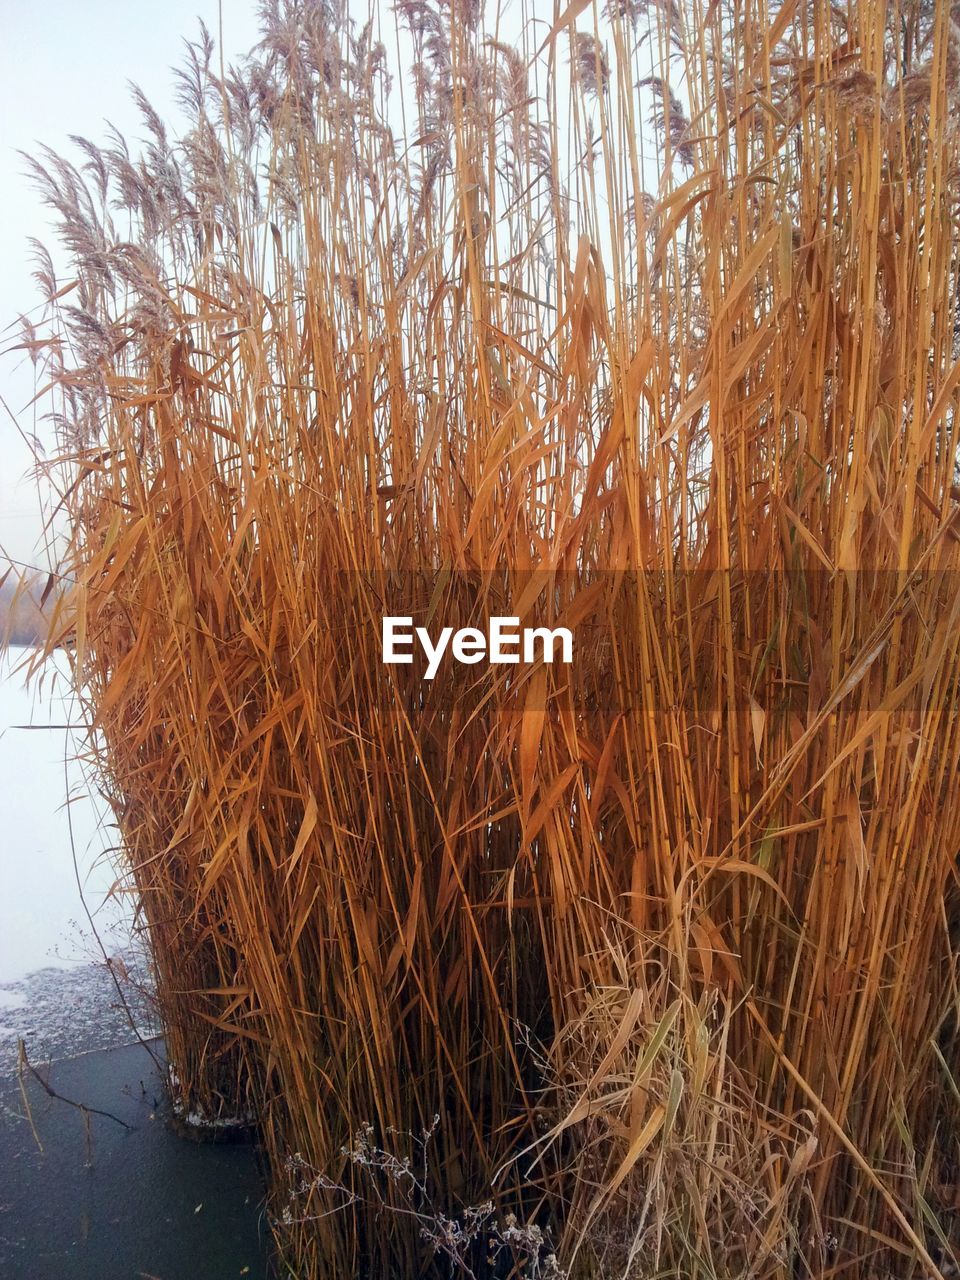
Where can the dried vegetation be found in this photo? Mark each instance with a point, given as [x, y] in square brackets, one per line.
[640, 320]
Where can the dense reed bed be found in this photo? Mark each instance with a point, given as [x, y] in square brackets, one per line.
[641, 321]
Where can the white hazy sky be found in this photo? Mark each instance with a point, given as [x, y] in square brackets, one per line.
[64, 69]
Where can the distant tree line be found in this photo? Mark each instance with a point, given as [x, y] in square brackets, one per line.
[23, 610]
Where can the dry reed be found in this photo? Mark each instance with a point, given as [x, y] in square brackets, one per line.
[655, 952]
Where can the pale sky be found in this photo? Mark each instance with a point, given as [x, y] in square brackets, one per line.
[64, 69]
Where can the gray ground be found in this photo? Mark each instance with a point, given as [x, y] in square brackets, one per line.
[59, 1013]
[84, 1196]
[120, 1196]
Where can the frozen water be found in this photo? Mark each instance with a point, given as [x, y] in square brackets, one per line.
[42, 917]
